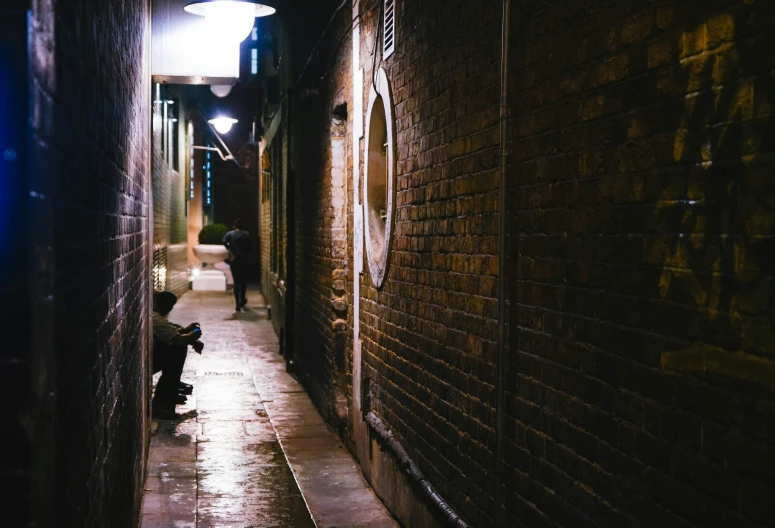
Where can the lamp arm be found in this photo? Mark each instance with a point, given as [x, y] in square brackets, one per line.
[220, 140]
[229, 156]
[214, 149]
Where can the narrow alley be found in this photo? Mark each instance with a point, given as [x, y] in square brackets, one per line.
[452, 263]
[250, 449]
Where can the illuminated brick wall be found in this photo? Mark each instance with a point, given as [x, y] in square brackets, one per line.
[89, 271]
[170, 227]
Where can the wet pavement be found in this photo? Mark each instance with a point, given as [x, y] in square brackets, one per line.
[249, 450]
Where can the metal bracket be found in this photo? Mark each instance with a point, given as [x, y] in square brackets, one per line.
[214, 149]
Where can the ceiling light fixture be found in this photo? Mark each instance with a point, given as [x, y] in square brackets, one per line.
[221, 90]
[229, 21]
[222, 124]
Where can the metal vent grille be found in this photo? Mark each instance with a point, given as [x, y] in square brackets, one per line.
[389, 43]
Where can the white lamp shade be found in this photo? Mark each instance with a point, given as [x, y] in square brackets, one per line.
[229, 21]
[222, 124]
[221, 90]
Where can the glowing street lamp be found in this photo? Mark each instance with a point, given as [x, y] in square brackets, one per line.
[222, 124]
[229, 21]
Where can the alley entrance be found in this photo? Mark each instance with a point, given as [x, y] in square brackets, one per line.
[249, 449]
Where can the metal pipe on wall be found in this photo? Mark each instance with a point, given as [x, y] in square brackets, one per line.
[415, 476]
[502, 263]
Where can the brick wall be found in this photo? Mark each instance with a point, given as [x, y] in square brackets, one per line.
[640, 290]
[320, 157]
[428, 334]
[170, 223]
[89, 260]
[15, 368]
[641, 270]
[274, 229]
[265, 223]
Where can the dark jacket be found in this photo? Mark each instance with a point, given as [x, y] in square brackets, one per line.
[238, 242]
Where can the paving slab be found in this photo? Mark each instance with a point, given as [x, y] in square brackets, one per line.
[171, 469]
[249, 449]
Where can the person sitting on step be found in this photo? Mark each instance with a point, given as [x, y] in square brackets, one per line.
[170, 347]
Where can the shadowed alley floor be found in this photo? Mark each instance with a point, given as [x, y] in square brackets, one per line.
[250, 449]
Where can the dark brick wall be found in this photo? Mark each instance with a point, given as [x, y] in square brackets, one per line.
[89, 250]
[428, 334]
[15, 367]
[273, 230]
[319, 150]
[274, 210]
[640, 284]
[641, 265]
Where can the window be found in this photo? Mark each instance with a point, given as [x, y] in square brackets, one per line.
[173, 153]
[254, 61]
[191, 151]
[379, 176]
[208, 174]
[160, 116]
[389, 29]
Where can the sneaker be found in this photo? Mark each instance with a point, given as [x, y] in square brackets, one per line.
[185, 388]
[238, 309]
[243, 303]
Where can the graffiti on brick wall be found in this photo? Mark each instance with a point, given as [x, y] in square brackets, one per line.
[715, 219]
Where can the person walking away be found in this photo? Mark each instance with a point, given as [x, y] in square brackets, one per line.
[237, 241]
[170, 348]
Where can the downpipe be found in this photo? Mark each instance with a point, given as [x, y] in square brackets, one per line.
[502, 263]
[414, 474]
